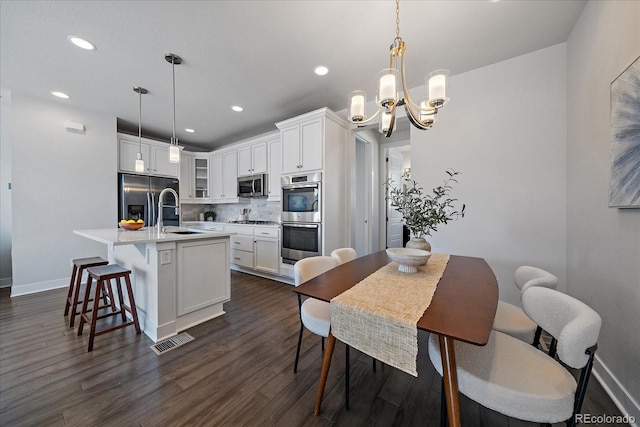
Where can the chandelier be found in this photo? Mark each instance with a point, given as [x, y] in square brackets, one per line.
[174, 150]
[421, 115]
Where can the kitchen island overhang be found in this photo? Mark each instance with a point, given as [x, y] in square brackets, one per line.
[179, 280]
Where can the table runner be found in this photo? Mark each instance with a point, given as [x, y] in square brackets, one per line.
[378, 315]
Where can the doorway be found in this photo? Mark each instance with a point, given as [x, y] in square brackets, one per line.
[397, 161]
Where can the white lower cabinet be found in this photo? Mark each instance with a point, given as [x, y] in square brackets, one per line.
[255, 248]
[241, 245]
[266, 249]
[267, 255]
[199, 265]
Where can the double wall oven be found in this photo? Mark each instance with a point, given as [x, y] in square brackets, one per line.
[301, 216]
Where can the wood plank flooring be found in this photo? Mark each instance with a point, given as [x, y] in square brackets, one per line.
[238, 371]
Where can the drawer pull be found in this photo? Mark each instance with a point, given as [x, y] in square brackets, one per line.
[239, 259]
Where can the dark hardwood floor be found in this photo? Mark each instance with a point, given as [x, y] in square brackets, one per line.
[238, 371]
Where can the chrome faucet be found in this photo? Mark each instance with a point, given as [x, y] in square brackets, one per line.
[161, 205]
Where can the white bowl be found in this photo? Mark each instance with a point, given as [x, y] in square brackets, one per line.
[408, 259]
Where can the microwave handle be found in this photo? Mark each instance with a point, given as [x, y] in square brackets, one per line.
[253, 187]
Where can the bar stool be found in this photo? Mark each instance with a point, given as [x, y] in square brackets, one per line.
[79, 265]
[102, 275]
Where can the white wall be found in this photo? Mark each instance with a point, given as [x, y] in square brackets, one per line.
[603, 244]
[61, 181]
[505, 130]
[5, 193]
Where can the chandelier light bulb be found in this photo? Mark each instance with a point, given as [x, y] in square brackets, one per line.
[387, 92]
[357, 104]
[437, 82]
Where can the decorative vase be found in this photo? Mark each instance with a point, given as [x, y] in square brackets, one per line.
[419, 243]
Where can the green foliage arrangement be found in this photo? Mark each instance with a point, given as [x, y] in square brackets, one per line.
[422, 213]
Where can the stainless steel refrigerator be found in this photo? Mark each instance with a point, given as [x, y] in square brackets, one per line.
[138, 199]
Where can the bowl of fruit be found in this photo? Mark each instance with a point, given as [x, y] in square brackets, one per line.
[131, 224]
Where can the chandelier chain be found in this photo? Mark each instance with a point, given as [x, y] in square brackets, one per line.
[397, 18]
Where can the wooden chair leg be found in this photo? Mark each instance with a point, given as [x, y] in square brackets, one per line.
[132, 304]
[94, 314]
[120, 298]
[85, 303]
[71, 290]
[76, 295]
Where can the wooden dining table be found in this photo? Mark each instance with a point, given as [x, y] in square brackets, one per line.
[463, 308]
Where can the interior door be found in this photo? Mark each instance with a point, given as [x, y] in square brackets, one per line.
[394, 218]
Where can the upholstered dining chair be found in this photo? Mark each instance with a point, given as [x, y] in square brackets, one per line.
[510, 319]
[512, 377]
[315, 315]
[343, 255]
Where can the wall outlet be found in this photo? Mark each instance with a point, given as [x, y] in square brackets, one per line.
[165, 257]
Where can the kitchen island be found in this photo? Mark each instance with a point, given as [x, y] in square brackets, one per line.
[180, 278]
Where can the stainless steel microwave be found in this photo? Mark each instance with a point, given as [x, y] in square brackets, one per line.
[253, 185]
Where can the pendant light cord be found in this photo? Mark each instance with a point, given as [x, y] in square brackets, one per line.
[173, 68]
[140, 123]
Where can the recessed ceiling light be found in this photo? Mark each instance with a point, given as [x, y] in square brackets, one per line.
[81, 43]
[237, 108]
[189, 130]
[60, 94]
[321, 70]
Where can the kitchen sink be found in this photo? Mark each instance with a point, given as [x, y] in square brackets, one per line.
[185, 232]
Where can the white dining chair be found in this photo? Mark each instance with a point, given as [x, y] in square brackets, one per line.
[512, 377]
[510, 319]
[343, 255]
[315, 315]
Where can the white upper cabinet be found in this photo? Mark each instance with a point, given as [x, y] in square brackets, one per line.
[302, 145]
[128, 151]
[252, 159]
[224, 176]
[154, 153]
[160, 164]
[194, 177]
[275, 168]
[186, 176]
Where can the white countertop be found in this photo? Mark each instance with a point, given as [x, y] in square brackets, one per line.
[117, 236]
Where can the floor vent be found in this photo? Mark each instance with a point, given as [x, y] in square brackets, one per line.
[171, 343]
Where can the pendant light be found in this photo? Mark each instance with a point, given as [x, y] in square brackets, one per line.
[174, 150]
[139, 160]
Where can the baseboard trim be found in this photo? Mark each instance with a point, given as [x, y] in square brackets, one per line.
[618, 393]
[5, 282]
[32, 288]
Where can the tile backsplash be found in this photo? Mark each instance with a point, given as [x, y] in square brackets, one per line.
[259, 208]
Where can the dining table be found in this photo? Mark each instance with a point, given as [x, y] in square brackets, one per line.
[463, 308]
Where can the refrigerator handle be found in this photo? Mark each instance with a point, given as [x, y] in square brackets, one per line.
[149, 210]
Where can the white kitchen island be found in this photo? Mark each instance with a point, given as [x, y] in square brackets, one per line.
[179, 280]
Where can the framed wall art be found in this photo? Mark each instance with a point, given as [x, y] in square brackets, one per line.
[624, 184]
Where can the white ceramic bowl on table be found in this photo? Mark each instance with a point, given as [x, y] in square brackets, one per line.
[408, 259]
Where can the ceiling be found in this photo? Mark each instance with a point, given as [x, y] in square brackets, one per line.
[256, 54]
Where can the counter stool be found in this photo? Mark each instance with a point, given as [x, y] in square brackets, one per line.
[102, 275]
[79, 265]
